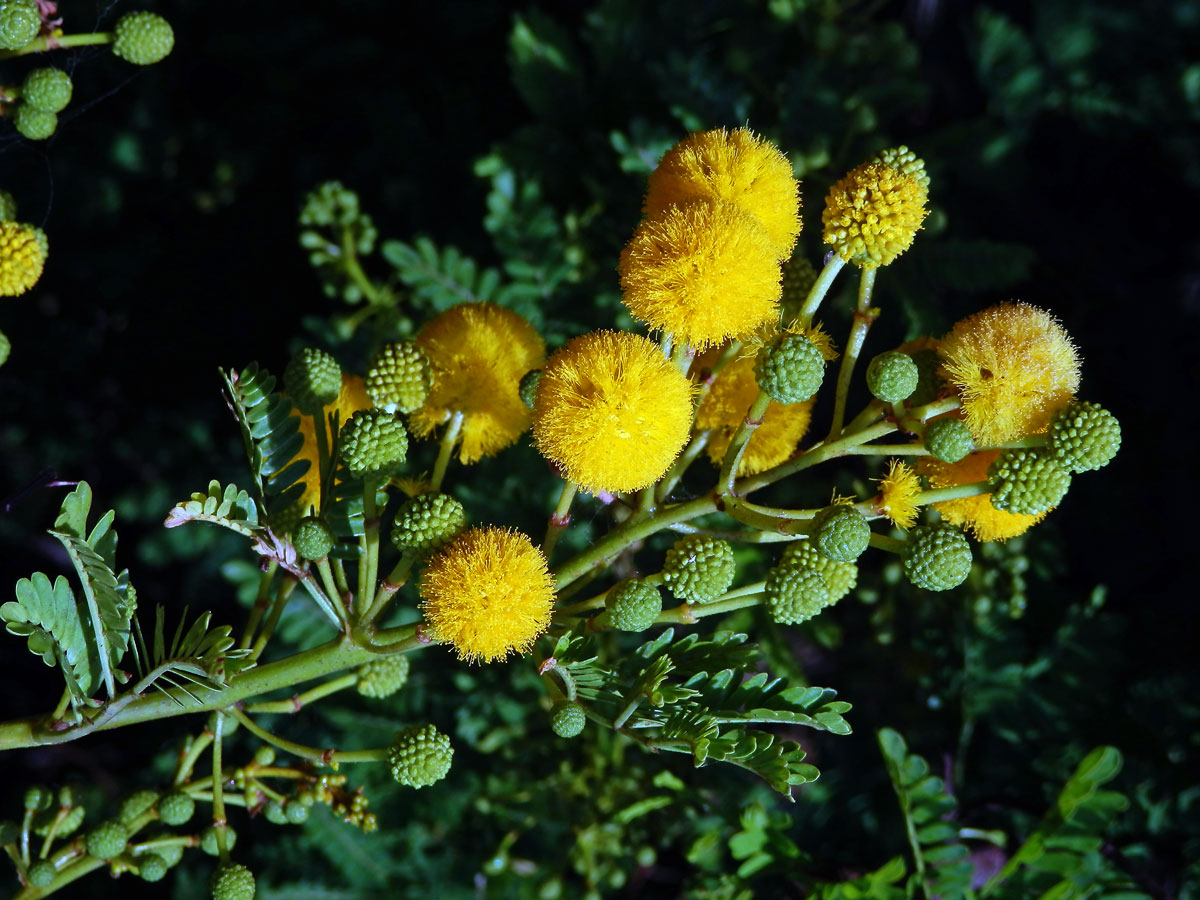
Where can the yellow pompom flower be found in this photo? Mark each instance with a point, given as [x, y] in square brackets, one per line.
[704, 271]
[974, 513]
[487, 593]
[1014, 367]
[872, 215]
[352, 398]
[22, 257]
[898, 492]
[611, 412]
[735, 166]
[729, 399]
[478, 353]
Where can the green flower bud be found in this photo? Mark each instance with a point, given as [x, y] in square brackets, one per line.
[791, 370]
[633, 605]
[1084, 436]
[567, 719]
[399, 378]
[892, 376]
[1027, 482]
[840, 532]
[937, 557]
[313, 379]
[382, 677]
[35, 124]
[420, 755]
[699, 568]
[136, 804]
[142, 38]
[312, 538]
[176, 808]
[47, 89]
[233, 881]
[528, 386]
[20, 23]
[949, 440]
[208, 840]
[373, 444]
[795, 594]
[41, 874]
[428, 522]
[152, 867]
[107, 840]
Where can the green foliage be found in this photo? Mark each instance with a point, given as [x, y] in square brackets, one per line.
[228, 506]
[203, 657]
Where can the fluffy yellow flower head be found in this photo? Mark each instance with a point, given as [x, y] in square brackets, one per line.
[22, 257]
[975, 513]
[898, 494]
[872, 215]
[611, 411]
[487, 593]
[1014, 367]
[352, 398]
[478, 353]
[704, 271]
[728, 401]
[738, 167]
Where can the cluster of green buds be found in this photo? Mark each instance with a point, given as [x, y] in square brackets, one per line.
[141, 38]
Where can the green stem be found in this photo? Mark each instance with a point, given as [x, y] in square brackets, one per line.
[889, 450]
[368, 562]
[686, 458]
[954, 492]
[690, 613]
[261, 602]
[819, 289]
[299, 701]
[283, 593]
[187, 762]
[322, 428]
[42, 44]
[328, 757]
[864, 315]
[354, 269]
[218, 782]
[449, 439]
[886, 542]
[813, 456]
[331, 588]
[561, 516]
[395, 580]
[741, 437]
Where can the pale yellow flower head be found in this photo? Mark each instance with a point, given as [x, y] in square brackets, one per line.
[729, 399]
[478, 353]
[611, 412]
[488, 593]
[1014, 367]
[704, 271]
[22, 257]
[872, 215]
[898, 492]
[974, 513]
[737, 167]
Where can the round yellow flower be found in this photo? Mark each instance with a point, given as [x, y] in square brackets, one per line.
[1014, 367]
[611, 411]
[487, 593]
[872, 215]
[974, 513]
[22, 257]
[722, 411]
[478, 353]
[704, 271]
[737, 167]
[352, 398]
[898, 492]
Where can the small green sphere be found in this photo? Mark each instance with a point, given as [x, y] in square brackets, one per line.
[313, 379]
[265, 756]
[20, 23]
[937, 557]
[233, 881]
[312, 538]
[420, 755]
[928, 381]
[34, 123]
[136, 804]
[38, 798]
[1027, 482]
[142, 38]
[795, 594]
[428, 522]
[8, 207]
[152, 867]
[296, 813]
[382, 677]
[699, 568]
[567, 719]
[41, 874]
[949, 440]
[1084, 436]
[839, 577]
[798, 277]
[528, 386]
[47, 89]
[373, 444]
[791, 370]
[107, 840]
[5, 348]
[208, 840]
[840, 532]
[633, 605]
[176, 808]
[398, 379]
[274, 813]
[892, 376]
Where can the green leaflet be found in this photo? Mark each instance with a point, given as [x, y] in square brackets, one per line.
[50, 618]
[201, 656]
[229, 507]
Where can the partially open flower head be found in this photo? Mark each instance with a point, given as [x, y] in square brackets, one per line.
[722, 411]
[488, 593]
[735, 166]
[975, 514]
[898, 492]
[353, 397]
[872, 215]
[611, 412]
[704, 271]
[478, 353]
[1014, 367]
[22, 257]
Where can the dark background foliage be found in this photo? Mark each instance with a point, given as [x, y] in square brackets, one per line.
[1062, 145]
